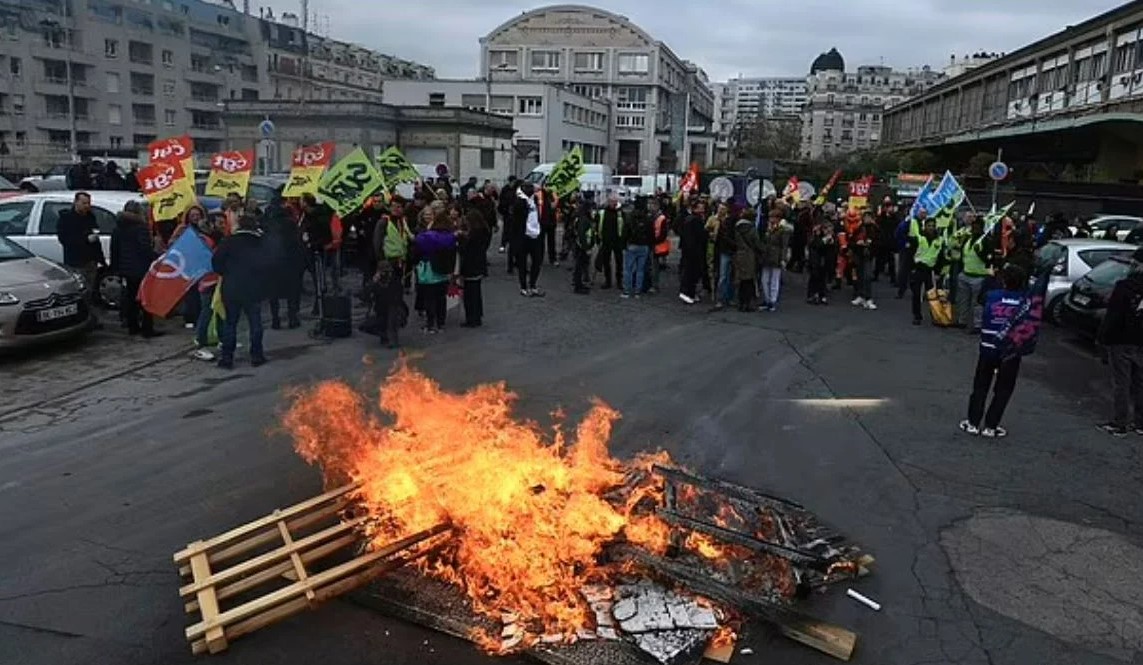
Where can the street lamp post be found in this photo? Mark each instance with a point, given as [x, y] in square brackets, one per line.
[56, 30]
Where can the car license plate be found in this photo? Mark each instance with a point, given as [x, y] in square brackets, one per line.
[1082, 301]
[57, 313]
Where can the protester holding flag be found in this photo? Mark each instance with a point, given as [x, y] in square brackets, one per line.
[976, 259]
[928, 250]
[206, 327]
[241, 263]
[132, 253]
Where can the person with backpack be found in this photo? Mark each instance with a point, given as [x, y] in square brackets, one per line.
[1121, 334]
[1011, 323]
[434, 254]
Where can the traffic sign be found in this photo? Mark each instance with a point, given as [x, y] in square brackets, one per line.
[998, 171]
[266, 127]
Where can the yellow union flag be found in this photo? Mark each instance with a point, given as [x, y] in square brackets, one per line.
[230, 173]
[565, 175]
[347, 185]
[395, 168]
[168, 191]
[309, 163]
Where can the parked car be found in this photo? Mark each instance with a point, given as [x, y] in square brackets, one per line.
[30, 220]
[1071, 259]
[1086, 303]
[40, 301]
[7, 188]
[53, 180]
[1124, 225]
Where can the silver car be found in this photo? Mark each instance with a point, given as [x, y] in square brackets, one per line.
[1072, 258]
[40, 301]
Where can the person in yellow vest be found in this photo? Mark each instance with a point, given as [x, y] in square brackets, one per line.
[928, 249]
[976, 257]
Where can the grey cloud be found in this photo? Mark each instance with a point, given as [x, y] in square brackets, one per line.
[727, 37]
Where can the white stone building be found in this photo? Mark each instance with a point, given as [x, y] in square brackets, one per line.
[548, 119]
[844, 110]
[605, 56]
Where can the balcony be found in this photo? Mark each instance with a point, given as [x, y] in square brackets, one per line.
[202, 75]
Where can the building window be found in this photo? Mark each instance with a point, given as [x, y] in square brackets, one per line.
[111, 48]
[436, 99]
[170, 117]
[592, 91]
[505, 60]
[635, 121]
[16, 67]
[1123, 58]
[474, 102]
[589, 62]
[634, 63]
[530, 106]
[168, 58]
[114, 114]
[116, 142]
[113, 82]
[630, 98]
[487, 159]
[169, 87]
[546, 61]
[17, 105]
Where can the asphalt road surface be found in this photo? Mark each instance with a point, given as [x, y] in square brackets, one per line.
[115, 455]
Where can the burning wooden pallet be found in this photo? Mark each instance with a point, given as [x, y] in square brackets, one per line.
[276, 566]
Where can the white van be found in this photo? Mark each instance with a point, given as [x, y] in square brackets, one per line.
[596, 177]
[638, 185]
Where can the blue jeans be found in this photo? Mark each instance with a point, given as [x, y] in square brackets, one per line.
[229, 335]
[634, 268]
[725, 284]
[204, 315]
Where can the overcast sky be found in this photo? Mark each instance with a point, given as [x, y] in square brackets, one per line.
[725, 37]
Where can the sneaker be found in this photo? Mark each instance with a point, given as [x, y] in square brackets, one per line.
[203, 354]
[500, 251]
[997, 433]
[870, 305]
[969, 428]
[258, 361]
[687, 299]
[527, 293]
[1118, 431]
[625, 295]
[188, 326]
[226, 363]
[858, 302]
[538, 293]
[823, 301]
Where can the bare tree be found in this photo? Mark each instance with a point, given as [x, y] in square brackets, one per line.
[770, 138]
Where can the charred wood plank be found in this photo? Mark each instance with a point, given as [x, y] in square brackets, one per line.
[807, 559]
[726, 488]
[830, 639]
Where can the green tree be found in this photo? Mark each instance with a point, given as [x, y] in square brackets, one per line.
[978, 164]
[919, 161]
[770, 138]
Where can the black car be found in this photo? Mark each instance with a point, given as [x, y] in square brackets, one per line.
[1086, 304]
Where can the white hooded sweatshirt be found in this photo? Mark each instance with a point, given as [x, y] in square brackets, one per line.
[532, 225]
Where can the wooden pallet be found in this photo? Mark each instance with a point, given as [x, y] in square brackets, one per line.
[276, 566]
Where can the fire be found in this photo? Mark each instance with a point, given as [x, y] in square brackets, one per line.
[530, 511]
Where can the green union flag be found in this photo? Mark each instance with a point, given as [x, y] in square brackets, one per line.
[395, 168]
[565, 176]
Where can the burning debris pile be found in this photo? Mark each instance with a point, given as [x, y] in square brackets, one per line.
[552, 541]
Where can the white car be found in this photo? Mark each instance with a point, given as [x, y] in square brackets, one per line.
[54, 180]
[1124, 225]
[30, 221]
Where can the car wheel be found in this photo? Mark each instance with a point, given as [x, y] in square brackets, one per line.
[109, 290]
[1055, 311]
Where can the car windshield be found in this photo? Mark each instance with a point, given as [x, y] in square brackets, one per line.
[7, 186]
[1109, 272]
[10, 251]
[59, 169]
[535, 177]
[1052, 253]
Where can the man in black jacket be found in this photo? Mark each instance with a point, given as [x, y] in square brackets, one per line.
[78, 234]
[132, 253]
[288, 264]
[692, 247]
[241, 263]
[583, 241]
[1122, 334]
[317, 235]
[638, 236]
[609, 234]
[504, 207]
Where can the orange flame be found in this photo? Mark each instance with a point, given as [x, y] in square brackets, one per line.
[530, 513]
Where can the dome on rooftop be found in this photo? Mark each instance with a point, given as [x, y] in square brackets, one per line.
[830, 60]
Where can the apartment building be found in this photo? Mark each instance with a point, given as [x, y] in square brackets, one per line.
[745, 99]
[844, 110]
[106, 77]
[662, 105]
[548, 119]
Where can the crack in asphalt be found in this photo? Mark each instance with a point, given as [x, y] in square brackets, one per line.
[40, 629]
